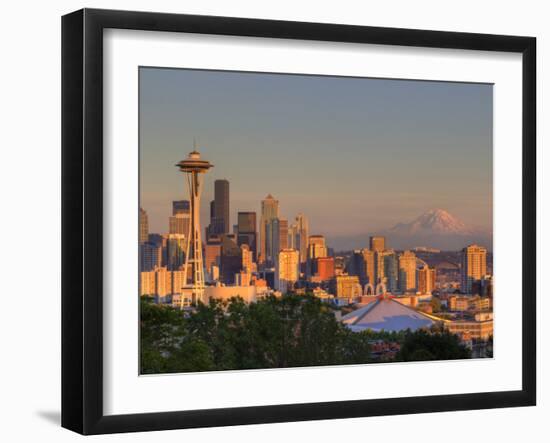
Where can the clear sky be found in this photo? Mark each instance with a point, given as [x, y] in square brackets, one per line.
[355, 155]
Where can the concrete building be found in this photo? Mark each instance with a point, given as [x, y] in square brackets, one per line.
[176, 245]
[179, 224]
[474, 266]
[269, 211]
[407, 272]
[346, 286]
[426, 279]
[246, 231]
[377, 243]
[302, 236]
[212, 257]
[324, 269]
[247, 293]
[221, 205]
[162, 282]
[150, 256]
[287, 270]
[143, 226]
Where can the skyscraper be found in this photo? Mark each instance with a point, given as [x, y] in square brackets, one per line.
[143, 226]
[407, 271]
[270, 211]
[181, 207]
[221, 206]
[426, 279]
[474, 266]
[368, 270]
[212, 257]
[150, 256]
[283, 233]
[387, 269]
[324, 268]
[317, 248]
[377, 243]
[287, 269]
[246, 231]
[302, 236]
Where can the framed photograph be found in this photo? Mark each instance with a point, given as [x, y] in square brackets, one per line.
[268, 221]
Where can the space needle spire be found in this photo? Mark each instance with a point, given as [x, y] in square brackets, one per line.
[194, 167]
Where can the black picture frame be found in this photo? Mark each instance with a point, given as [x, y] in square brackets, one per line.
[82, 218]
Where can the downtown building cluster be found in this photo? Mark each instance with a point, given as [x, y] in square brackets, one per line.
[270, 254]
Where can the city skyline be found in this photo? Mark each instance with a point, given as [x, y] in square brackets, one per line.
[392, 183]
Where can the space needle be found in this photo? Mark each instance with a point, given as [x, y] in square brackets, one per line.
[193, 167]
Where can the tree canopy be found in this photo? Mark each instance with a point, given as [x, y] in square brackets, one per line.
[288, 331]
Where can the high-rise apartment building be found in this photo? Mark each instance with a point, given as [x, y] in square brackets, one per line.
[426, 279]
[287, 270]
[143, 226]
[377, 243]
[283, 233]
[474, 266]
[407, 272]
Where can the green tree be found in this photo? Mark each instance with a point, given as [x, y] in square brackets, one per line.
[423, 345]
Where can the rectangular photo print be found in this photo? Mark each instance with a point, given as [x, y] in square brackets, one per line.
[292, 220]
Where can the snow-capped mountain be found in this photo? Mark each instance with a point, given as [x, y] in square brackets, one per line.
[436, 221]
[437, 228]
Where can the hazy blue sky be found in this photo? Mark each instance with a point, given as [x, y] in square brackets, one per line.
[353, 154]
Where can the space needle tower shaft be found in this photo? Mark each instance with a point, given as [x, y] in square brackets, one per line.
[194, 167]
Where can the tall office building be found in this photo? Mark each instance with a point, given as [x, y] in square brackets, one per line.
[368, 270]
[180, 220]
[175, 251]
[270, 211]
[302, 236]
[283, 233]
[387, 269]
[150, 256]
[247, 259]
[324, 268]
[246, 231]
[426, 279]
[287, 270]
[346, 286]
[407, 271]
[181, 207]
[212, 257]
[474, 266]
[231, 259]
[316, 247]
[377, 243]
[221, 205]
[143, 226]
